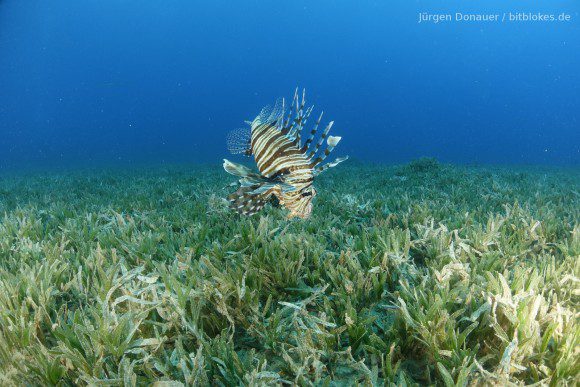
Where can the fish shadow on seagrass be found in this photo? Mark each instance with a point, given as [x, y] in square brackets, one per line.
[286, 166]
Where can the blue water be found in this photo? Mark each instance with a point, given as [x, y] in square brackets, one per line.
[101, 82]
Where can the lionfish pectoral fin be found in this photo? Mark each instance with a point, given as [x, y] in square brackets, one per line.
[246, 202]
[287, 187]
[238, 169]
[267, 185]
[232, 184]
[248, 178]
[261, 188]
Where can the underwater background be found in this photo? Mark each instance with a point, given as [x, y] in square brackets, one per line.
[128, 83]
[444, 252]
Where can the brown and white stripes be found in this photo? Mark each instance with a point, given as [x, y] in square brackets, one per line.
[286, 167]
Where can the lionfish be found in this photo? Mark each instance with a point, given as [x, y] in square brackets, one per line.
[287, 166]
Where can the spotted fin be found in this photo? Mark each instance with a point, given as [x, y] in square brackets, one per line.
[246, 202]
[238, 141]
[255, 190]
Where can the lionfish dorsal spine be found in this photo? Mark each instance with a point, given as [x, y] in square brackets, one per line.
[292, 127]
[286, 122]
[321, 139]
[324, 167]
[312, 133]
[331, 142]
[301, 125]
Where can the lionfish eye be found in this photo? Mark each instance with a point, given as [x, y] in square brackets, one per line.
[306, 193]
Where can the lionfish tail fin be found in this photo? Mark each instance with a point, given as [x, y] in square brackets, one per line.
[239, 141]
[324, 167]
[249, 200]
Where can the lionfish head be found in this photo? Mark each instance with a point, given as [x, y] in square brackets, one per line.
[300, 205]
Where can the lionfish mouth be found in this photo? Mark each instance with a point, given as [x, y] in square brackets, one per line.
[286, 164]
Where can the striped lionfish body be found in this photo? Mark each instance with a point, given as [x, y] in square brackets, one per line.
[287, 166]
